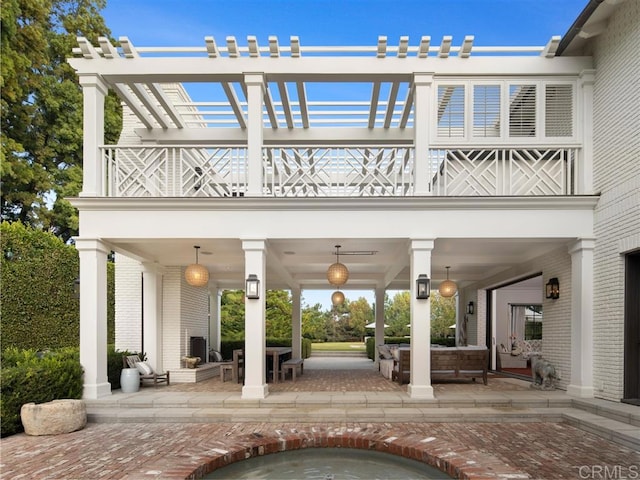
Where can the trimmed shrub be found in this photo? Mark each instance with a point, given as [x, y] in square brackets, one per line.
[39, 377]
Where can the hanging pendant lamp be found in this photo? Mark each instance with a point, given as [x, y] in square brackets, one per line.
[448, 288]
[337, 298]
[337, 274]
[195, 274]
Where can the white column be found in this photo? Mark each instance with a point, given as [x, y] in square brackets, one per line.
[255, 87]
[215, 300]
[296, 322]
[93, 316]
[421, 127]
[585, 121]
[152, 314]
[94, 91]
[581, 318]
[255, 385]
[379, 322]
[420, 383]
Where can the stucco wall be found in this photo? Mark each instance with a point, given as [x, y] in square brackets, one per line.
[617, 177]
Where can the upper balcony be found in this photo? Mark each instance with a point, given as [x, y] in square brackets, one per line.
[296, 121]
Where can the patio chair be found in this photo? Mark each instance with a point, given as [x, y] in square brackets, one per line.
[146, 372]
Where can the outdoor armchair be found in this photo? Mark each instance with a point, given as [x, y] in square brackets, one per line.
[145, 370]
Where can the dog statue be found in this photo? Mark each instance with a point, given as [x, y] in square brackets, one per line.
[543, 373]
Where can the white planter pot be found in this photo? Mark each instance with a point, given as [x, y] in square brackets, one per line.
[130, 380]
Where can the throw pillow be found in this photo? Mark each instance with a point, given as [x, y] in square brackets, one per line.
[144, 368]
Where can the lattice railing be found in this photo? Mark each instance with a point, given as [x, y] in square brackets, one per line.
[338, 171]
[137, 171]
[494, 172]
[380, 171]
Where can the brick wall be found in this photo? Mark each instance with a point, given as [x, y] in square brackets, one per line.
[128, 318]
[617, 177]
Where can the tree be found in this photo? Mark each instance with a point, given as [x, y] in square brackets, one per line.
[360, 314]
[278, 314]
[397, 313]
[232, 314]
[41, 106]
[443, 315]
[314, 324]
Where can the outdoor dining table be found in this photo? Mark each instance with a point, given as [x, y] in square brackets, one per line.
[275, 352]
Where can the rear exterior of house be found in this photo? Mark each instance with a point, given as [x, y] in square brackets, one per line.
[511, 167]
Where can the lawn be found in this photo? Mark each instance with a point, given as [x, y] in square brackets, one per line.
[338, 347]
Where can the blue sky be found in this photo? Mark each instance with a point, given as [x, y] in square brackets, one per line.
[340, 22]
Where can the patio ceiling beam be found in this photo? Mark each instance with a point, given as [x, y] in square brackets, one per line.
[274, 262]
[391, 104]
[286, 105]
[445, 46]
[212, 48]
[550, 49]
[134, 105]
[164, 101]
[423, 50]
[274, 48]
[316, 69]
[396, 266]
[235, 104]
[150, 105]
[408, 104]
[467, 45]
[403, 47]
[271, 111]
[302, 100]
[375, 96]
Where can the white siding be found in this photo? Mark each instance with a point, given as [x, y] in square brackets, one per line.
[617, 177]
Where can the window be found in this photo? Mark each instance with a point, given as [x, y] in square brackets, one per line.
[533, 322]
[486, 111]
[522, 110]
[451, 111]
[558, 111]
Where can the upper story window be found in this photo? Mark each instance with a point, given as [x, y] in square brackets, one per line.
[533, 110]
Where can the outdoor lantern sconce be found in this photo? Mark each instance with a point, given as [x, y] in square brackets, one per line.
[253, 287]
[423, 287]
[553, 288]
[470, 308]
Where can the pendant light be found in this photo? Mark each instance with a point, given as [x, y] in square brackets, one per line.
[448, 288]
[195, 274]
[337, 274]
[337, 298]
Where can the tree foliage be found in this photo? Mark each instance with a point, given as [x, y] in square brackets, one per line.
[41, 105]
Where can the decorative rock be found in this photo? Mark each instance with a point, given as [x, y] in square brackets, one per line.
[53, 418]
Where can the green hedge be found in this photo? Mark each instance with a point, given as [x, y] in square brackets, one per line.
[31, 376]
[228, 346]
[39, 307]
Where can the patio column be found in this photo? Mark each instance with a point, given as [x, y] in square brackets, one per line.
[296, 322]
[215, 300]
[255, 92]
[581, 318]
[255, 385]
[94, 91]
[152, 314]
[92, 254]
[423, 100]
[420, 263]
[585, 121]
[379, 334]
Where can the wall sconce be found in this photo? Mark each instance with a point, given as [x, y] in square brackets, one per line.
[553, 288]
[252, 289]
[470, 308]
[423, 287]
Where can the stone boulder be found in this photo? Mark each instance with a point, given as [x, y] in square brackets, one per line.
[53, 418]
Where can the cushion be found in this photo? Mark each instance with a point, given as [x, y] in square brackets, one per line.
[215, 355]
[144, 368]
[384, 351]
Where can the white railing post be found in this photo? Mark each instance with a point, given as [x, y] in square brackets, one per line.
[586, 80]
[423, 100]
[94, 91]
[255, 91]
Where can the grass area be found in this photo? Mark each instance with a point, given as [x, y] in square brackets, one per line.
[338, 347]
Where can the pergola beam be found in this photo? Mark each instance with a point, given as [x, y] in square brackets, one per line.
[165, 102]
[302, 101]
[147, 101]
[134, 105]
[375, 96]
[286, 105]
[271, 111]
[408, 104]
[235, 104]
[391, 104]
